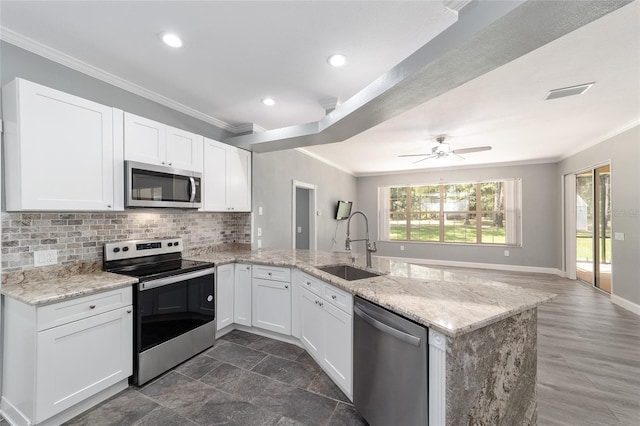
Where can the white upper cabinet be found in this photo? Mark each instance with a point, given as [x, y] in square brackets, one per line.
[226, 178]
[62, 152]
[148, 141]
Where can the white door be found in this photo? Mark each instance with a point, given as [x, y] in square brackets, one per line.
[67, 155]
[271, 305]
[214, 183]
[184, 150]
[224, 302]
[144, 140]
[338, 343]
[81, 358]
[238, 179]
[312, 323]
[242, 296]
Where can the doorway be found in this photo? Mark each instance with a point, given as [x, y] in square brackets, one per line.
[593, 226]
[303, 216]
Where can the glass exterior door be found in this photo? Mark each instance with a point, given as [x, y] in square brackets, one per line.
[593, 227]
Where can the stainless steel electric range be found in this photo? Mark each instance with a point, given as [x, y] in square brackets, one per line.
[173, 302]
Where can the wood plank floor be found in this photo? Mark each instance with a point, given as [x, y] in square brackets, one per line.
[588, 353]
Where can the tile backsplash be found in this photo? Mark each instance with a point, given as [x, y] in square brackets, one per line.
[79, 237]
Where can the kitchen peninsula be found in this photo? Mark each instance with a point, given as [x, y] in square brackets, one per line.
[483, 342]
[482, 334]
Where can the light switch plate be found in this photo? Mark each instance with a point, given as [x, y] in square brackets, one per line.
[299, 229]
[260, 211]
[45, 257]
[619, 236]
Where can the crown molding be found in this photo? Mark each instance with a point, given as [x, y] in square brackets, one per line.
[62, 58]
[600, 139]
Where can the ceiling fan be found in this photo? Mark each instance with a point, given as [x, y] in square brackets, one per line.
[443, 149]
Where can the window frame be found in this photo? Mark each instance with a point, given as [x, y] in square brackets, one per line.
[511, 211]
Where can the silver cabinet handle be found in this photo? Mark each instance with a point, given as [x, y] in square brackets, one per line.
[128, 311]
[92, 306]
[286, 286]
[308, 283]
[248, 268]
[171, 164]
[321, 304]
[163, 163]
[108, 206]
[334, 297]
[269, 273]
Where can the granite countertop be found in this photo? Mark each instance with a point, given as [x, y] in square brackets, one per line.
[43, 286]
[451, 303]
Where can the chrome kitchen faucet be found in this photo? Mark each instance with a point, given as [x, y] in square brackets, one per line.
[371, 248]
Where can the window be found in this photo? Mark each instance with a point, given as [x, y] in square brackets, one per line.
[473, 213]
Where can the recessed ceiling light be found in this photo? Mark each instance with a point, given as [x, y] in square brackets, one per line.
[268, 101]
[337, 60]
[171, 39]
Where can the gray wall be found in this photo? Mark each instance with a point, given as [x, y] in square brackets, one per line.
[273, 174]
[540, 224]
[624, 153]
[17, 62]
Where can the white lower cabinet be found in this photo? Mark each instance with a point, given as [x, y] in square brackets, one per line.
[242, 295]
[225, 279]
[271, 299]
[326, 329]
[51, 371]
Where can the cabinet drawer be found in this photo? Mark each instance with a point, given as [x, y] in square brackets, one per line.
[312, 284]
[82, 307]
[272, 273]
[340, 299]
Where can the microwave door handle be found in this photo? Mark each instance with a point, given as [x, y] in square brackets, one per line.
[193, 189]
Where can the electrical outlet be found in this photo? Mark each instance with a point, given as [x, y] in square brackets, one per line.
[260, 211]
[401, 248]
[259, 244]
[506, 253]
[299, 229]
[45, 257]
[618, 236]
[259, 232]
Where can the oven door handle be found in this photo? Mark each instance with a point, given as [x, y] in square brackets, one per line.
[148, 285]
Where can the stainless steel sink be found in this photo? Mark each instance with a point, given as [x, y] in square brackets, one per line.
[348, 272]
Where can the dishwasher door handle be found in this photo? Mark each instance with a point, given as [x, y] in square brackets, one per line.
[401, 335]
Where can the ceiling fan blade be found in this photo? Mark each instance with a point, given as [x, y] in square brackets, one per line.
[474, 149]
[425, 158]
[413, 155]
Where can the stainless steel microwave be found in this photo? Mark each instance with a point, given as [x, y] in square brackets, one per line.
[148, 185]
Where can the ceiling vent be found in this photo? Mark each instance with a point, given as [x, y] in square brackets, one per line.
[568, 91]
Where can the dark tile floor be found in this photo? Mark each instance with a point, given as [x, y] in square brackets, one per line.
[244, 379]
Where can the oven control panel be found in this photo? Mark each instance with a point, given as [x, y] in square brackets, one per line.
[138, 248]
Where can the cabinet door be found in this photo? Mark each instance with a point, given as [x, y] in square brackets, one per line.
[184, 150]
[338, 343]
[144, 140]
[242, 295]
[311, 323]
[238, 179]
[79, 359]
[59, 150]
[271, 305]
[224, 302]
[214, 183]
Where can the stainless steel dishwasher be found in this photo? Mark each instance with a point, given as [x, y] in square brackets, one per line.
[390, 367]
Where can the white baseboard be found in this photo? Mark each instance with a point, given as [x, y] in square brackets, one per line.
[630, 306]
[496, 266]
